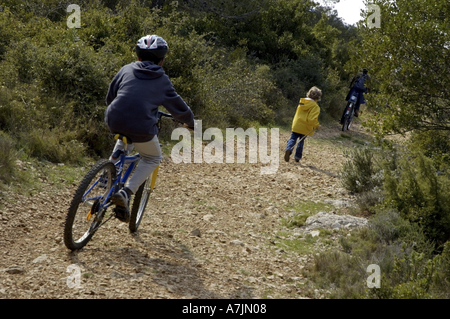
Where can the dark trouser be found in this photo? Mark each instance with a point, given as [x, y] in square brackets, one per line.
[291, 143]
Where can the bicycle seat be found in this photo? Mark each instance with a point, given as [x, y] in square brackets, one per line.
[123, 138]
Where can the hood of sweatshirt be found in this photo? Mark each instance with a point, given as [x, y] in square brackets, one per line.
[147, 70]
[307, 104]
[306, 117]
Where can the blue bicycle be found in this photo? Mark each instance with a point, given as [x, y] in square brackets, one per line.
[88, 210]
[347, 117]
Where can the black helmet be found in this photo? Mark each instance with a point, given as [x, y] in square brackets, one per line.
[151, 47]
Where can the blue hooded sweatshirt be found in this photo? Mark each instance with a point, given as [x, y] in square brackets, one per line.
[134, 96]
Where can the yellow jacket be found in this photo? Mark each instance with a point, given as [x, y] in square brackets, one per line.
[306, 117]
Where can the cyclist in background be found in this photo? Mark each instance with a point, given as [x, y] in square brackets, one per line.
[133, 98]
[357, 87]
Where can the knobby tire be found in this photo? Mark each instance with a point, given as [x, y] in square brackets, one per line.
[79, 210]
[348, 119]
[139, 203]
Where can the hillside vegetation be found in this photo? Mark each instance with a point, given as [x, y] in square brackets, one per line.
[54, 78]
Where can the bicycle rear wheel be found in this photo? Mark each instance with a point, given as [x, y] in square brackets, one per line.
[349, 121]
[348, 118]
[140, 201]
[344, 123]
[85, 212]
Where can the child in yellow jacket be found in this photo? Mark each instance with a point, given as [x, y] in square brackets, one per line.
[306, 120]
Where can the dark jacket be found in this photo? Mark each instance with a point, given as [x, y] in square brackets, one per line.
[358, 88]
[134, 96]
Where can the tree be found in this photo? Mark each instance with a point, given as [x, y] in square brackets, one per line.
[409, 59]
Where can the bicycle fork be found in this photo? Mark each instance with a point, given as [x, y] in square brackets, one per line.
[153, 180]
[349, 108]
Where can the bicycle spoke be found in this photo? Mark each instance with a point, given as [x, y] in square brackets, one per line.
[88, 206]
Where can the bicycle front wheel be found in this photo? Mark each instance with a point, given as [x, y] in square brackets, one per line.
[140, 201]
[85, 212]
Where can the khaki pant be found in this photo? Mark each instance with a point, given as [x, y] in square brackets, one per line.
[151, 156]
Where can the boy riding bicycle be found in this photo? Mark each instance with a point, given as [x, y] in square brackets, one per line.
[133, 98]
[357, 88]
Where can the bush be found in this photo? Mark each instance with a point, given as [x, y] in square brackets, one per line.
[338, 272]
[421, 195]
[398, 247]
[238, 101]
[408, 182]
[360, 173]
[416, 276]
[57, 145]
[7, 156]
[53, 77]
[435, 145]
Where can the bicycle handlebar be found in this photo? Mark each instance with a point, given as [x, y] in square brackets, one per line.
[161, 114]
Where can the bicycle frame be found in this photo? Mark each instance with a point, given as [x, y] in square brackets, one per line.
[118, 182]
[351, 105]
[348, 113]
[97, 188]
[121, 179]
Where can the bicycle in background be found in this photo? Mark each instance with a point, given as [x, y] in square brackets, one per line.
[349, 112]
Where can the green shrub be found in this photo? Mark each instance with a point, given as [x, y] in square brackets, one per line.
[57, 145]
[387, 227]
[20, 108]
[7, 156]
[408, 182]
[415, 277]
[361, 173]
[337, 271]
[53, 77]
[435, 145]
[398, 247]
[370, 200]
[421, 195]
[237, 100]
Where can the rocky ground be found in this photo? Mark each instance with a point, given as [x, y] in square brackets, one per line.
[211, 231]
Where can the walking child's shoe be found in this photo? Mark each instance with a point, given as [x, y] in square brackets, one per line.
[287, 154]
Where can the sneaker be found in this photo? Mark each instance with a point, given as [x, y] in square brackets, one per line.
[296, 159]
[122, 214]
[121, 199]
[356, 113]
[287, 154]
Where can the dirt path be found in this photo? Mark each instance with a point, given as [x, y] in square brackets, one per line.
[210, 231]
